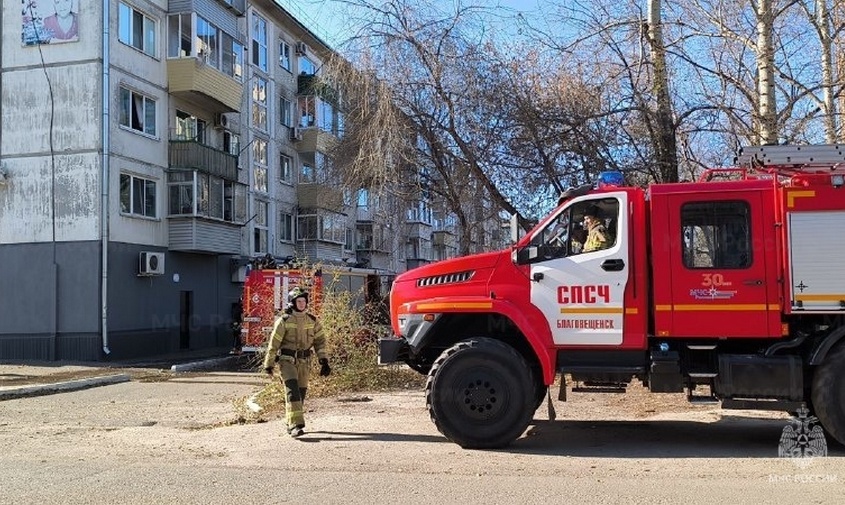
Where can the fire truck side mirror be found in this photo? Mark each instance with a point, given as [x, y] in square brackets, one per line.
[524, 255]
[514, 226]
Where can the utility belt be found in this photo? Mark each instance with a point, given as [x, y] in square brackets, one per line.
[295, 354]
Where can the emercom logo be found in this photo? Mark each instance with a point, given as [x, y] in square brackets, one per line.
[802, 439]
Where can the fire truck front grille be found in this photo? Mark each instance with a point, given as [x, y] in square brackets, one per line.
[439, 280]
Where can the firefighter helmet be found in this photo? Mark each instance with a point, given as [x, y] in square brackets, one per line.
[295, 293]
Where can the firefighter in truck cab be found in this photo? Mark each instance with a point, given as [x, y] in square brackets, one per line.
[294, 336]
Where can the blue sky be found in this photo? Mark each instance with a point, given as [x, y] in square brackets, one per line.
[325, 18]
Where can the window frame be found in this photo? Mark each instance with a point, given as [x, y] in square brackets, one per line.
[287, 227]
[185, 198]
[260, 227]
[285, 168]
[285, 59]
[145, 30]
[260, 100]
[260, 165]
[125, 117]
[145, 182]
[285, 112]
[259, 42]
[723, 217]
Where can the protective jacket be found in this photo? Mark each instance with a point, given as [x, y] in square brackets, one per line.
[296, 332]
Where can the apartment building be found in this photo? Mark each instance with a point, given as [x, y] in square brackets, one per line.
[145, 162]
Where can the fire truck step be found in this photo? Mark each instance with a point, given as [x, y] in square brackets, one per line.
[703, 399]
[598, 389]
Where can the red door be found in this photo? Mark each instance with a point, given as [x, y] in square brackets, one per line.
[722, 280]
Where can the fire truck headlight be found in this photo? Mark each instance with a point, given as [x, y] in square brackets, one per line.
[837, 180]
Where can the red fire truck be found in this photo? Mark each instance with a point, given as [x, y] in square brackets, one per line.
[266, 290]
[731, 289]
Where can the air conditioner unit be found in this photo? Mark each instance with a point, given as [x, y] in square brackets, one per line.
[150, 263]
[301, 48]
[221, 121]
[296, 134]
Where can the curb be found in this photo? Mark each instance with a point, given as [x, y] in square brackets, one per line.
[61, 387]
[200, 365]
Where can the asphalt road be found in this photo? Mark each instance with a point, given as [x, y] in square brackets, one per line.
[177, 442]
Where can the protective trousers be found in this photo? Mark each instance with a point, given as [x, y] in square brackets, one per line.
[294, 375]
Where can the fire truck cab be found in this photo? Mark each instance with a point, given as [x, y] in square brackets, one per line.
[731, 288]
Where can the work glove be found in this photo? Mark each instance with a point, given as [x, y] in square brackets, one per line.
[269, 370]
[325, 369]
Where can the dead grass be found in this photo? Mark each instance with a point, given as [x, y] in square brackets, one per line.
[351, 340]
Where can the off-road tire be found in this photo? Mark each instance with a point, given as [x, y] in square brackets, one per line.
[480, 394]
[829, 394]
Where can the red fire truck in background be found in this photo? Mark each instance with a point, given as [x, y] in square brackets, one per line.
[265, 296]
[266, 290]
[731, 288]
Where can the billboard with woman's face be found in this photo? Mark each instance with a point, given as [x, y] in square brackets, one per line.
[49, 21]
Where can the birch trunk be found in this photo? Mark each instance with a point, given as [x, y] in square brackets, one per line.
[766, 120]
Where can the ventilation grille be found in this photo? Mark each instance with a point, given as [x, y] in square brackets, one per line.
[439, 280]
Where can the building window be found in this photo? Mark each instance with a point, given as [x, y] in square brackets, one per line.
[325, 116]
[137, 196]
[312, 169]
[419, 212]
[349, 245]
[213, 46]
[327, 227]
[259, 238]
[259, 165]
[259, 42]
[418, 249]
[370, 237]
[137, 112]
[286, 227]
[259, 103]
[284, 56]
[189, 127]
[136, 29]
[286, 169]
[716, 234]
[208, 37]
[232, 144]
[285, 112]
[307, 66]
[216, 198]
[307, 111]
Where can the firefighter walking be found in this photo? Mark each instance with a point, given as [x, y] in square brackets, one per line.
[294, 336]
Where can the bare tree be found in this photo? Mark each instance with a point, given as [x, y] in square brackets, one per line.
[665, 144]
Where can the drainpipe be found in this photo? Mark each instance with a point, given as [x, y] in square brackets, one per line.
[1, 88]
[104, 179]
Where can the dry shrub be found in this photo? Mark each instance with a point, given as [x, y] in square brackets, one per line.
[352, 343]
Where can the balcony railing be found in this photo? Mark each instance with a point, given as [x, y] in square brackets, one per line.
[190, 154]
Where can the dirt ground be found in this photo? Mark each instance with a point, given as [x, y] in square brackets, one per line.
[180, 438]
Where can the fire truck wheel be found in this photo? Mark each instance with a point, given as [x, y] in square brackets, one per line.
[829, 394]
[480, 394]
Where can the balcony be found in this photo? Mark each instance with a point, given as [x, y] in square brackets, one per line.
[419, 229]
[193, 155]
[313, 85]
[206, 213]
[314, 139]
[443, 238]
[204, 85]
[319, 196]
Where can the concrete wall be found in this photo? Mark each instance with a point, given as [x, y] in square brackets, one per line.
[53, 313]
[49, 301]
[145, 312]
